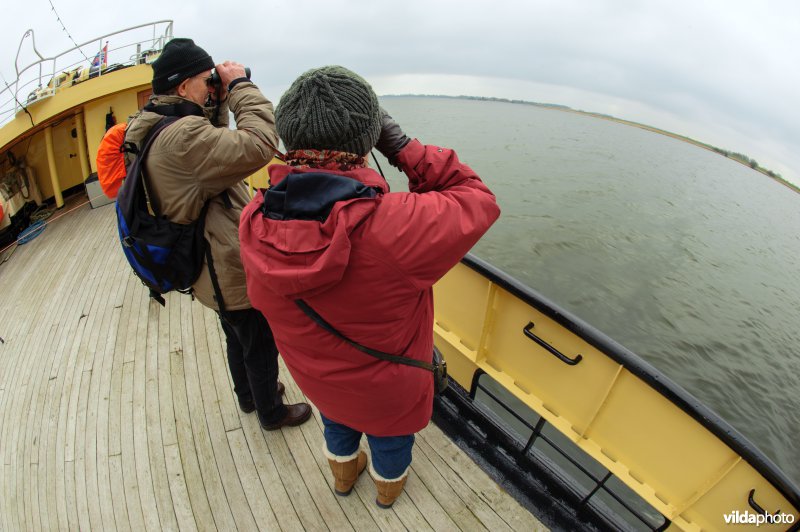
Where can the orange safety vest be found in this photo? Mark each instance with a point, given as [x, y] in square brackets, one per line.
[111, 160]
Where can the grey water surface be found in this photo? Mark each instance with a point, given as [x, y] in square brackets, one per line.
[689, 259]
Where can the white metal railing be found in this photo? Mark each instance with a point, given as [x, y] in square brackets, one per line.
[45, 76]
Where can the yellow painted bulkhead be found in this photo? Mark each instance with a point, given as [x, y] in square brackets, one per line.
[124, 104]
[75, 117]
[76, 114]
[652, 445]
[260, 179]
[65, 152]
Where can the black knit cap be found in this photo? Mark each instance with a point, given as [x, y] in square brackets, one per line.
[329, 108]
[181, 59]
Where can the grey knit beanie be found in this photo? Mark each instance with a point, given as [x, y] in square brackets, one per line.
[329, 108]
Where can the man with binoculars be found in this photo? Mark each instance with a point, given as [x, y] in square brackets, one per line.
[197, 160]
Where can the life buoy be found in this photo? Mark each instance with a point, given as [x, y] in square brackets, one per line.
[111, 160]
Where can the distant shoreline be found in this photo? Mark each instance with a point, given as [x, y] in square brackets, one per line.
[737, 157]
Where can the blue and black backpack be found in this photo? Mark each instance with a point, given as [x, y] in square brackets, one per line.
[166, 256]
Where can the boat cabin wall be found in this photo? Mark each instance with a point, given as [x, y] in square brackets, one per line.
[66, 134]
[87, 126]
[73, 122]
[124, 104]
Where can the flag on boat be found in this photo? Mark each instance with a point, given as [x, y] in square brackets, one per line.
[101, 58]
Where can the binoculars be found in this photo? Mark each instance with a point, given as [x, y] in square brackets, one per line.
[216, 81]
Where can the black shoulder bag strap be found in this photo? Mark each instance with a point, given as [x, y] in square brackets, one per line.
[311, 313]
[212, 272]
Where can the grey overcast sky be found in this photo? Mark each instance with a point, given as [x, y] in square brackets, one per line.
[723, 72]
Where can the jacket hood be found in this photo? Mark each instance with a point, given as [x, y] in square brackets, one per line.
[295, 237]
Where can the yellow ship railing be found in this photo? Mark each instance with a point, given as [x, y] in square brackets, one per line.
[618, 421]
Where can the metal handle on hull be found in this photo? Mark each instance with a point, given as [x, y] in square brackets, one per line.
[550, 349]
[755, 506]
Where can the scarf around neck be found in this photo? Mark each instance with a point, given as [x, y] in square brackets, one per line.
[326, 159]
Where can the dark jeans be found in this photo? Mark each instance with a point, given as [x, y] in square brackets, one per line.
[253, 361]
[391, 455]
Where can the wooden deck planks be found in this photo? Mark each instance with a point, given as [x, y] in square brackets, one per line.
[118, 414]
[98, 312]
[496, 509]
[226, 402]
[17, 377]
[254, 493]
[132, 501]
[58, 378]
[117, 493]
[103, 406]
[223, 518]
[265, 466]
[37, 386]
[198, 495]
[142, 464]
[221, 459]
[178, 489]
[157, 334]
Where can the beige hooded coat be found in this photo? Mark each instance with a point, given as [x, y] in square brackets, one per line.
[192, 162]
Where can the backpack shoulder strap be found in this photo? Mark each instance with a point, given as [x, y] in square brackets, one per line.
[137, 166]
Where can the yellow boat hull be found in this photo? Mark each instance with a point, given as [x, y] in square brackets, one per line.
[662, 443]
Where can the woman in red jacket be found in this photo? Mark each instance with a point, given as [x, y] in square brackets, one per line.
[328, 232]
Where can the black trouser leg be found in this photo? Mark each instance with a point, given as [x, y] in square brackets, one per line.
[251, 347]
[241, 384]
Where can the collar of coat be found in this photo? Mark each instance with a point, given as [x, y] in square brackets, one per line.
[171, 100]
[299, 193]
[312, 195]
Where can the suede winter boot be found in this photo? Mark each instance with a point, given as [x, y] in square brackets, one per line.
[346, 470]
[388, 489]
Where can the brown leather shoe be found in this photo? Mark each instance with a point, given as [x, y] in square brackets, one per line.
[295, 415]
[248, 405]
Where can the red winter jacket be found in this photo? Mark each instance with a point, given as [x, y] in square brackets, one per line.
[367, 269]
